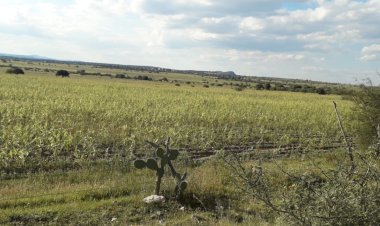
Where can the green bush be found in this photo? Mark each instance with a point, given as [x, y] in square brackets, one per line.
[367, 114]
[62, 73]
[14, 70]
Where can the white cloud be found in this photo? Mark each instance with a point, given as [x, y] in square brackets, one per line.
[370, 53]
[251, 24]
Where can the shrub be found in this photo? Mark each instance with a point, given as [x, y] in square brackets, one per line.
[121, 76]
[259, 86]
[367, 113]
[14, 70]
[321, 91]
[346, 195]
[143, 77]
[81, 72]
[62, 73]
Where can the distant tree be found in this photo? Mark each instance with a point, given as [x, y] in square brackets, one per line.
[3, 60]
[62, 73]
[81, 72]
[296, 88]
[120, 76]
[14, 70]
[321, 91]
[259, 86]
[280, 87]
[164, 79]
[143, 77]
[267, 86]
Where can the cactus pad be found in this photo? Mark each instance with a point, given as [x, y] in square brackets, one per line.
[160, 152]
[139, 164]
[173, 154]
[152, 164]
[183, 185]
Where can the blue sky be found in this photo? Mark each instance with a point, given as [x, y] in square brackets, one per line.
[335, 40]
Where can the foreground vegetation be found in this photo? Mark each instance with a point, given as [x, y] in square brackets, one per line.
[67, 148]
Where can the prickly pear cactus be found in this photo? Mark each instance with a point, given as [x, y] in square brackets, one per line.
[164, 157]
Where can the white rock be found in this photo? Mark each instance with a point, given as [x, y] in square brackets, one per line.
[154, 199]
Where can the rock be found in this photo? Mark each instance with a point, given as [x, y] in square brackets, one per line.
[154, 199]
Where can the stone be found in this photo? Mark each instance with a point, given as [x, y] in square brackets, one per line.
[154, 199]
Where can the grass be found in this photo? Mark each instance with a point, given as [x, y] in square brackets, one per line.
[101, 193]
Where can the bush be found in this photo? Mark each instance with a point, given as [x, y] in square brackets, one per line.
[81, 72]
[346, 195]
[326, 197]
[321, 91]
[260, 86]
[367, 113]
[164, 79]
[123, 76]
[62, 73]
[143, 77]
[15, 70]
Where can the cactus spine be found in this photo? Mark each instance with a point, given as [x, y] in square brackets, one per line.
[164, 156]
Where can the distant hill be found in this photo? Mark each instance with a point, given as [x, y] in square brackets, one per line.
[27, 57]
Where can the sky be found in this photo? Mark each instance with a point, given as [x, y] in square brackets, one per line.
[323, 40]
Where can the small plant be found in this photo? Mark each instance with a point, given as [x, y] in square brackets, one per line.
[164, 157]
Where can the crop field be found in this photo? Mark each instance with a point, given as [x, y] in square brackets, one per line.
[67, 143]
[81, 116]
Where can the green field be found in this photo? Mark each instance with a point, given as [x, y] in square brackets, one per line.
[66, 144]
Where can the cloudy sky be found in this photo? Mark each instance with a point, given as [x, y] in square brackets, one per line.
[336, 40]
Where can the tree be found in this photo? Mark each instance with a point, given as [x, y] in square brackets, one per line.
[321, 91]
[14, 70]
[120, 76]
[62, 73]
[259, 86]
[81, 72]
